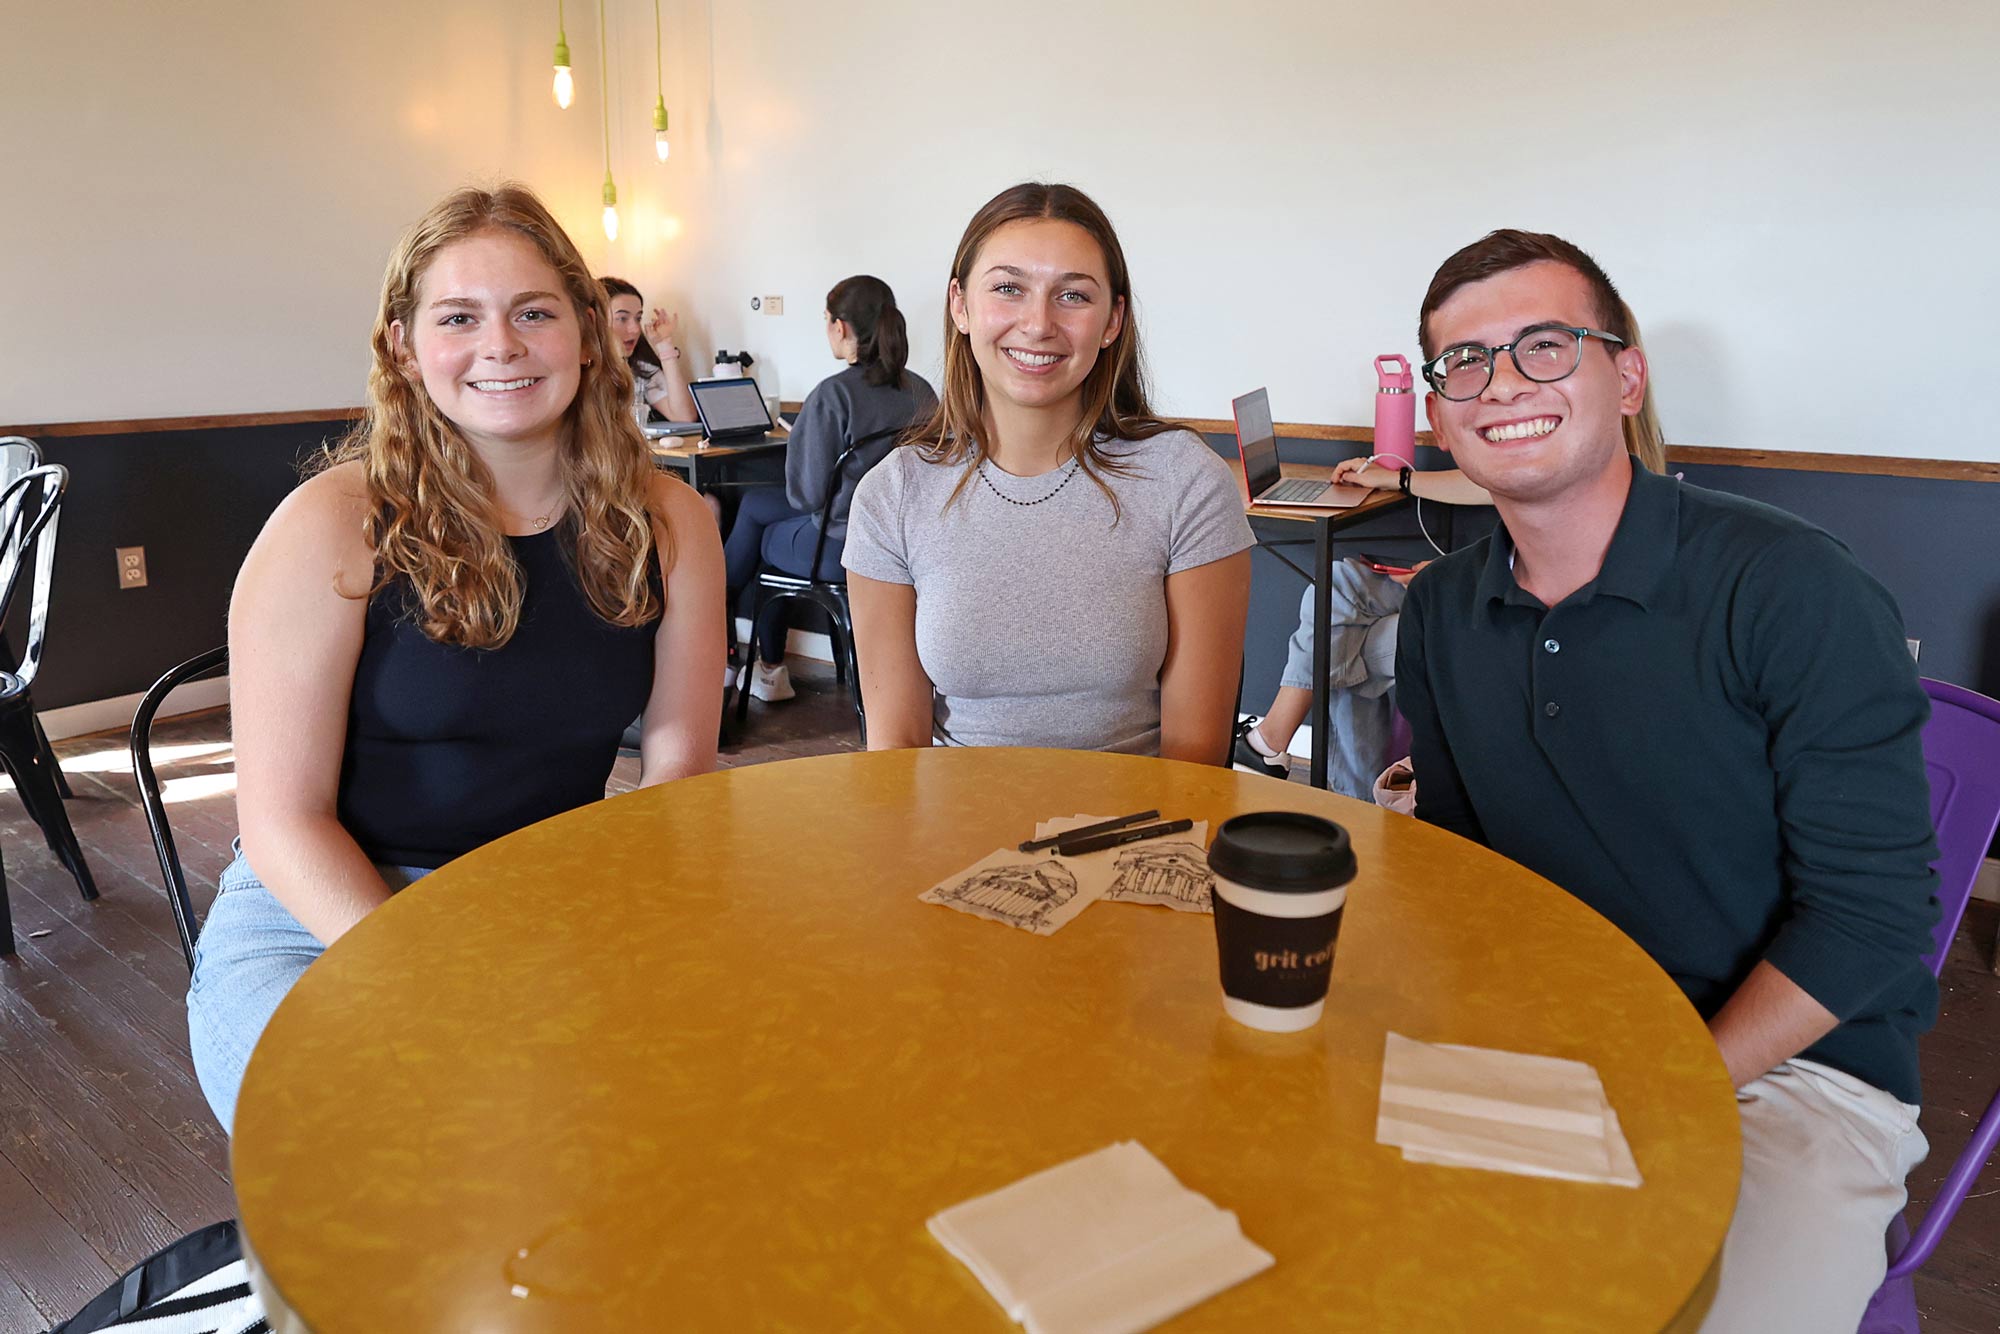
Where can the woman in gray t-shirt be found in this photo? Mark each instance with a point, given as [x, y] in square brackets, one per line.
[1048, 564]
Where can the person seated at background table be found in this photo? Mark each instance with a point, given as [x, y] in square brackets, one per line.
[778, 526]
[1697, 714]
[647, 342]
[1045, 562]
[438, 637]
[1366, 609]
[1362, 651]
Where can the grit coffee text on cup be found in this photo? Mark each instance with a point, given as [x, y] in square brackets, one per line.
[1280, 889]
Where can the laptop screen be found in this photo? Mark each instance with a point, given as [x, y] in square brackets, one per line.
[730, 405]
[1258, 442]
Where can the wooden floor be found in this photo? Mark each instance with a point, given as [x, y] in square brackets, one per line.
[107, 1150]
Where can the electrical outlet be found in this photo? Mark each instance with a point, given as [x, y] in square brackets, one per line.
[774, 305]
[131, 567]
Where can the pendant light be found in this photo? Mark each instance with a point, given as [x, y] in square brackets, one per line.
[604, 101]
[565, 85]
[660, 96]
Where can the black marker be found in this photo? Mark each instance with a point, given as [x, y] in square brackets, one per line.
[1076, 847]
[1085, 831]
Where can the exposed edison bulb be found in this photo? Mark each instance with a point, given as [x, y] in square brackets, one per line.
[660, 145]
[611, 222]
[660, 126]
[565, 86]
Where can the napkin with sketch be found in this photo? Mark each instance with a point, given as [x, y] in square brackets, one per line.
[1042, 891]
[1501, 1110]
[1171, 872]
[1109, 1243]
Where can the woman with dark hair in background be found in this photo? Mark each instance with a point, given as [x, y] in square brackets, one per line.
[659, 379]
[1000, 599]
[876, 396]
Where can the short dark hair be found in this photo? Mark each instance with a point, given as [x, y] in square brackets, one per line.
[1507, 249]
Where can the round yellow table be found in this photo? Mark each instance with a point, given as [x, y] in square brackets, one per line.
[697, 1058]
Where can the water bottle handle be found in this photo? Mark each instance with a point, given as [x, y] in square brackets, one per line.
[1397, 378]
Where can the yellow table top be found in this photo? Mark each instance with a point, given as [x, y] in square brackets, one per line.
[697, 1057]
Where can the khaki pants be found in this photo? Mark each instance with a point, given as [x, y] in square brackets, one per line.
[1824, 1157]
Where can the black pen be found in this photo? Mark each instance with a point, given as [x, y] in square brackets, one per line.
[1085, 831]
[1076, 847]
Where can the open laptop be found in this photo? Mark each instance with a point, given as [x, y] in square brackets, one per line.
[732, 412]
[1264, 480]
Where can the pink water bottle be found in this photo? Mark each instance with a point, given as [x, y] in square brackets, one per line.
[1395, 409]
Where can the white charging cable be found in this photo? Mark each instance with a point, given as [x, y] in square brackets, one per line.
[1416, 501]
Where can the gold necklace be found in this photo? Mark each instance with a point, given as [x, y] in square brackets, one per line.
[541, 522]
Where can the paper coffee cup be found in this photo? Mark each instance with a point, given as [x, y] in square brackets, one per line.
[1280, 890]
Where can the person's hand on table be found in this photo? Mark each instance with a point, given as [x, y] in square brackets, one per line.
[1361, 472]
[663, 330]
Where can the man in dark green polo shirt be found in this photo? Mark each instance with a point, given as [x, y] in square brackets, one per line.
[1695, 713]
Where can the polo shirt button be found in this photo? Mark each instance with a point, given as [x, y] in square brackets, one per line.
[1552, 646]
[1552, 708]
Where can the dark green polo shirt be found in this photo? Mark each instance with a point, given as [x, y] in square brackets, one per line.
[1716, 744]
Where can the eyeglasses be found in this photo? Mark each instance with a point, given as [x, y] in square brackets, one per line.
[1544, 354]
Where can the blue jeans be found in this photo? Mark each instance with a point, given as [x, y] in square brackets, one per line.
[250, 953]
[1361, 669]
[768, 531]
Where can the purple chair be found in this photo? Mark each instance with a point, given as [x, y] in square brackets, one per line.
[1962, 758]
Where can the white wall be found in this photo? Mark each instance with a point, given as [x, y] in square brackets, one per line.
[1799, 202]
[200, 196]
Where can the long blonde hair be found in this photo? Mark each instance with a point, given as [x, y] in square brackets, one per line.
[1115, 405]
[431, 513]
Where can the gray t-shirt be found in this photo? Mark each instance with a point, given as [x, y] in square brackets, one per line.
[1044, 624]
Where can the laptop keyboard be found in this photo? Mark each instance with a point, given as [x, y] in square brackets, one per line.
[1292, 491]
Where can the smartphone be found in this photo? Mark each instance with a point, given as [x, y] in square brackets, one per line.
[1383, 564]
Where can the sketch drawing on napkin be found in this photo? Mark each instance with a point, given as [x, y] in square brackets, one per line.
[1171, 873]
[1035, 892]
[1042, 892]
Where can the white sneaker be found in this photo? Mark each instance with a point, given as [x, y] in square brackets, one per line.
[731, 677]
[771, 684]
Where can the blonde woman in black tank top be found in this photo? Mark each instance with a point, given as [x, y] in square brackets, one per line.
[430, 646]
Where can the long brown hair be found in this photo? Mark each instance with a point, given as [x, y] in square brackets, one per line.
[431, 513]
[1115, 403]
[1507, 249]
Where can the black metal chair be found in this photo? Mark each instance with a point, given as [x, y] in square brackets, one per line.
[200, 665]
[28, 509]
[17, 455]
[828, 593]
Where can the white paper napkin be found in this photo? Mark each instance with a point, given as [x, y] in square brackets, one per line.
[1504, 1111]
[1109, 1243]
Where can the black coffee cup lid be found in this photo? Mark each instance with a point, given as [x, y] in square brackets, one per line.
[1282, 851]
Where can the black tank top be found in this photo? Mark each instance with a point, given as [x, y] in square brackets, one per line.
[449, 747]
